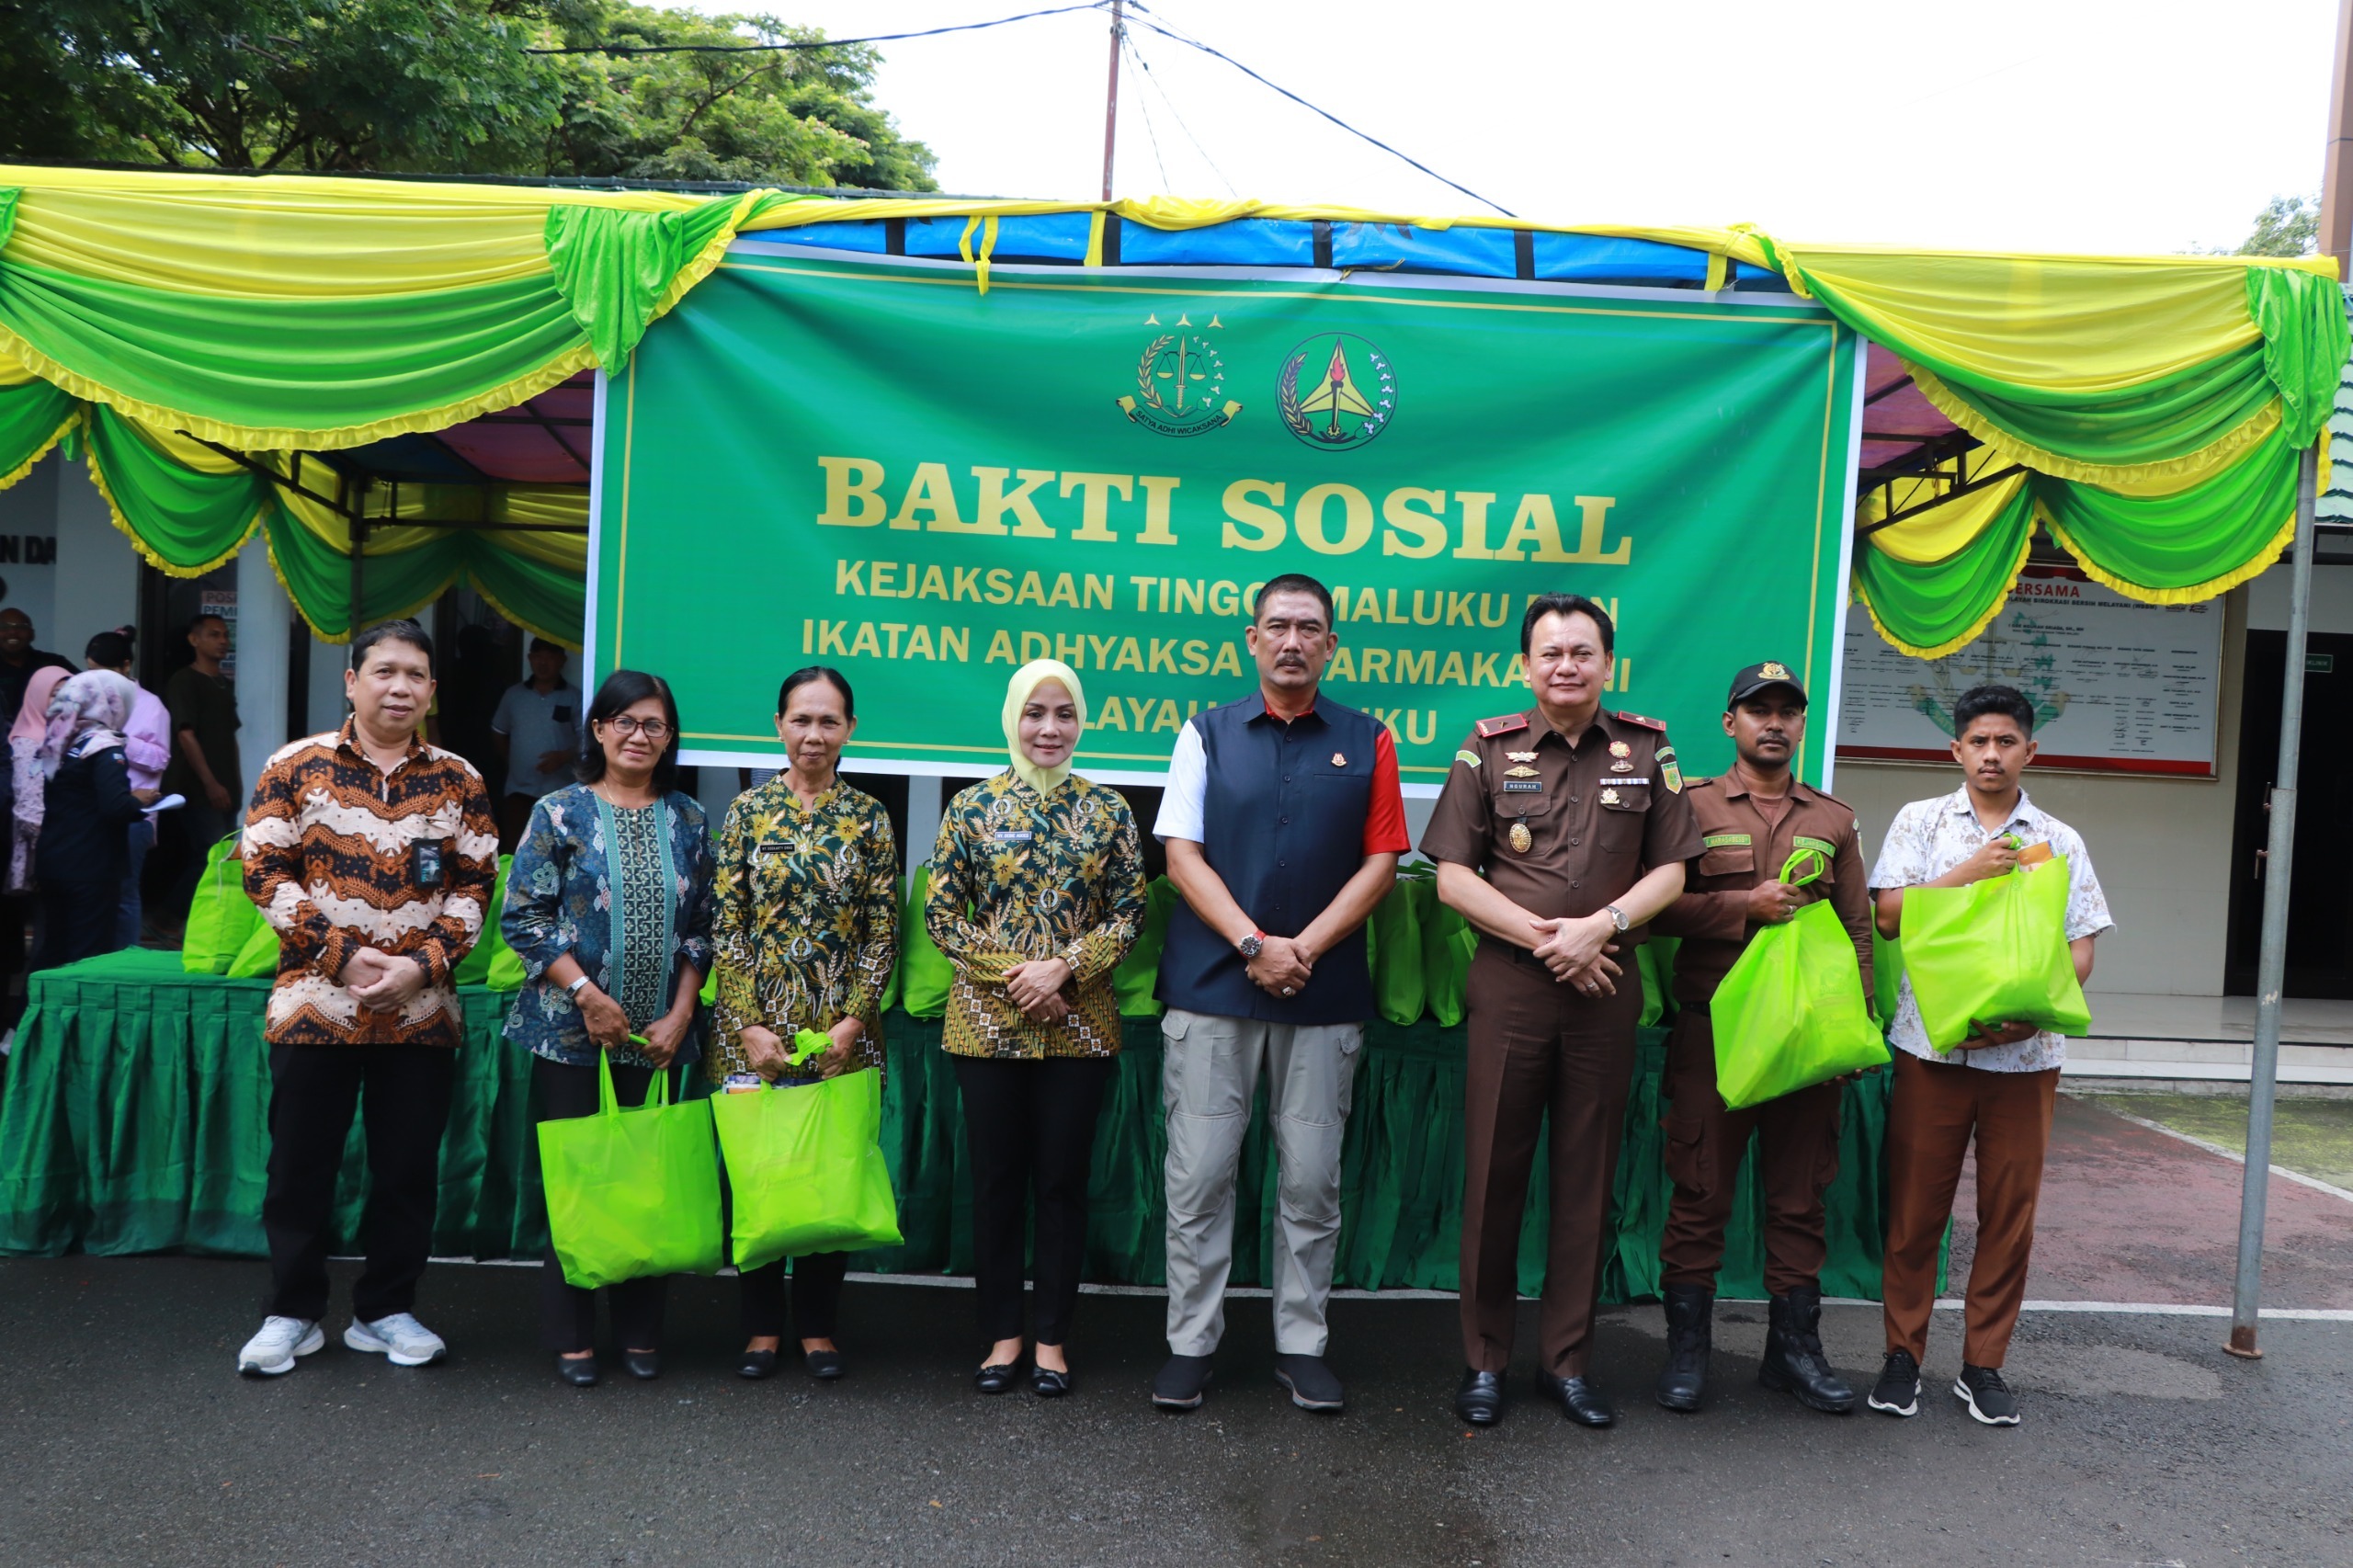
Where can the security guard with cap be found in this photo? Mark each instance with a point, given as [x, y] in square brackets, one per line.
[1559, 833]
[1753, 820]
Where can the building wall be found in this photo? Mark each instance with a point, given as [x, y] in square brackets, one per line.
[28, 525]
[2162, 846]
[97, 575]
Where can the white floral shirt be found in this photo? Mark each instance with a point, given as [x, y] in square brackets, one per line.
[1929, 838]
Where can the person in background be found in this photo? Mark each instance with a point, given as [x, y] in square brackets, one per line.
[1999, 1087]
[535, 731]
[374, 857]
[27, 777]
[204, 768]
[1037, 893]
[609, 906]
[20, 664]
[89, 803]
[807, 928]
[147, 748]
[1283, 821]
[19, 659]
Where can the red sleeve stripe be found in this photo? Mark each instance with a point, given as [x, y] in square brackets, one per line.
[1384, 821]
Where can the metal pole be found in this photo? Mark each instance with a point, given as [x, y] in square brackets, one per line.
[2279, 869]
[1111, 95]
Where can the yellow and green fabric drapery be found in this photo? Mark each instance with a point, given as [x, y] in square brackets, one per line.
[2154, 407]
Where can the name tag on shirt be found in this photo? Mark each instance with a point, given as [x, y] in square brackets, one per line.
[1517, 786]
[1013, 835]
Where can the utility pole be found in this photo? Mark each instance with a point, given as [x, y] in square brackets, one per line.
[1112, 94]
[2336, 169]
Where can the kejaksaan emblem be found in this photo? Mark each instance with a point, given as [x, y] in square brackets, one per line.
[1180, 386]
[1337, 390]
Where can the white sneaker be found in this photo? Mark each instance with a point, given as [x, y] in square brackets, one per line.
[400, 1339]
[273, 1350]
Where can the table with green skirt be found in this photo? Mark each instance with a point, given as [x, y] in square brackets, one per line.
[135, 1119]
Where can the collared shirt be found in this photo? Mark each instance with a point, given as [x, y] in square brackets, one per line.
[1016, 877]
[331, 857]
[1929, 838]
[1563, 830]
[808, 922]
[1744, 844]
[536, 722]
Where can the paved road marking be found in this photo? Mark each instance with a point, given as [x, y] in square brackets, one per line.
[2298, 1177]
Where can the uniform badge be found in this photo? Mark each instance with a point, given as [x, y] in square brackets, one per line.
[1471, 758]
[1670, 772]
[1519, 773]
[1773, 669]
[1621, 766]
[1521, 755]
[1619, 748]
[1609, 798]
[1338, 761]
[1522, 841]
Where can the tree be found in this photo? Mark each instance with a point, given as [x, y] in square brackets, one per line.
[442, 86]
[2288, 226]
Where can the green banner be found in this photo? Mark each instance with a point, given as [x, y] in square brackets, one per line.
[876, 466]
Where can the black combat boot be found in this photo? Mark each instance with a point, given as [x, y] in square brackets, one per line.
[1690, 1318]
[1793, 1358]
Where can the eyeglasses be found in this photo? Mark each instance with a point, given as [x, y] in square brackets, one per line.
[652, 729]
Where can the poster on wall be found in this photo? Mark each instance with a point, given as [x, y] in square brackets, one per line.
[873, 465]
[222, 602]
[2118, 686]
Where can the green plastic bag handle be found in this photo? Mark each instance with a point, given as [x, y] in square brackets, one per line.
[657, 1094]
[1821, 864]
[807, 1043]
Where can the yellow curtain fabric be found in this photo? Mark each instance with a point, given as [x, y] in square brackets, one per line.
[1947, 528]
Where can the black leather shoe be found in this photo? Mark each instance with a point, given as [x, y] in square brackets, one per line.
[1794, 1362]
[1578, 1398]
[1179, 1384]
[1047, 1383]
[643, 1364]
[997, 1378]
[1690, 1322]
[756, 1364]
[1480, 1399]
[580, 1372]
[824, 1365]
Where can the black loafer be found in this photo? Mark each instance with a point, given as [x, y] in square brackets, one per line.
[1480, 1399]
[756, 1364]
[996, 1379]
[1047, 1383]
[824, 1365]
[644, 1365]
[580, 1372]
[1578, 1398]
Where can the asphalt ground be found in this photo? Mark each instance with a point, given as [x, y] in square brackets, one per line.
[127, 1438]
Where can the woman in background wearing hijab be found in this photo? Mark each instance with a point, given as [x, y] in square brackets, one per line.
[25, 773]
[1037, 893]
[82, 854]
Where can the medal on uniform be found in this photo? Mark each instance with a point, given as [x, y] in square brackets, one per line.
[1620, 749]
[1621, 766]
[1338, 761]
[1610, 796]
[1521, 755]
[1522, 841]
[1519, 773]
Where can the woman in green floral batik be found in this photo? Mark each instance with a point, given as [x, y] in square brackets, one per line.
[806, 928]
[1037, 893]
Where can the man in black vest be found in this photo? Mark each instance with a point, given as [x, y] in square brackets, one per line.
[1283, 822]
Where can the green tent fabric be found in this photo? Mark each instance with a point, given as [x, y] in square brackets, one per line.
[924, 974]
[2173, 541]
[133, 1117]
[33, 416]
[1929, 606]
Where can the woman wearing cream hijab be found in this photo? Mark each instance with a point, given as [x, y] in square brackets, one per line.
[1037, 893]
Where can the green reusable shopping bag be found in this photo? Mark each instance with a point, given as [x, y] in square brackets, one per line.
[474, 968]
[923, 972]
[506, 970]
[804, 1168]
[1995, 951]
[1790, 1014]
[1655, 959]
[1138, 972]
[221, 916]
[632, 1193]
[258, 958]
[1887, 973]
[1393, 940]
[1447, 944]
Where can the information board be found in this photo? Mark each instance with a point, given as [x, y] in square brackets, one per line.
[2118, 686]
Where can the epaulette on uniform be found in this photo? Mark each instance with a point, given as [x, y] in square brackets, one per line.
[1658, 724]
[1490, 728]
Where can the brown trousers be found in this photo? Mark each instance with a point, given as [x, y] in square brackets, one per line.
[1797, 1158]
[1938, 1105]
[1539, 1047]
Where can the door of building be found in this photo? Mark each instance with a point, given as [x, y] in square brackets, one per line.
[2320, 912]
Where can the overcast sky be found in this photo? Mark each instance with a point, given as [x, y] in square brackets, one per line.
[2069, 125]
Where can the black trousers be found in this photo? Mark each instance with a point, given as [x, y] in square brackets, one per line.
[403, 1096]
[816, 1297]
[1029, 1129]
[78, 920]
[568, 1313]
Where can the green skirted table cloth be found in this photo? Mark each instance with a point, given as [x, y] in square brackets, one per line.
[135, 1119]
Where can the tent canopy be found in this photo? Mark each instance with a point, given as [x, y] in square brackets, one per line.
[405, 364]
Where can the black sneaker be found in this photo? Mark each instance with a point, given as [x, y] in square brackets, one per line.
[1988, 1398]
[1312, 1384]
[1179, 1384]
[1899, 1385]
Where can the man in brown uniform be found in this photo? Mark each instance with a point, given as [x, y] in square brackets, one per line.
[1541, 835]
[1752, 821]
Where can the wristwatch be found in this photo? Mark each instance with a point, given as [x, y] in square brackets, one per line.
[1617, 918]
[1249, 946]
[573, 989]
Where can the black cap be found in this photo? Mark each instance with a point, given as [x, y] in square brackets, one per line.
[1756, 677]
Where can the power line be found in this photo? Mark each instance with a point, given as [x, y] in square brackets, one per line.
[1145, 65]
[1218, 54]
[636, 49]
[1128, 44]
